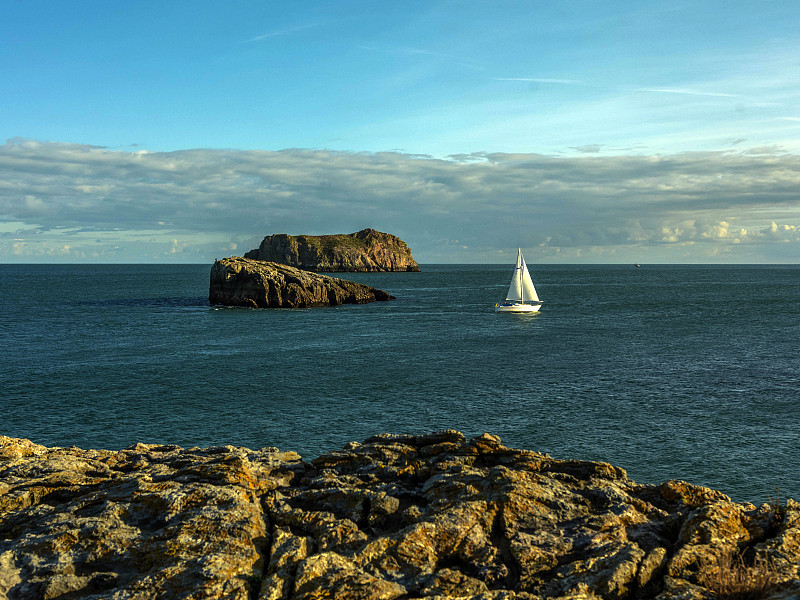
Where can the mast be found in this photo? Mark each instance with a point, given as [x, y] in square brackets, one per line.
[519, 276]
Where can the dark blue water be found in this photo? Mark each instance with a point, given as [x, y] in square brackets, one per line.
[686, 372]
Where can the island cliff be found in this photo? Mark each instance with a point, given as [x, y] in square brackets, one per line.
[396, 517]
[237, 281]
[366, 250]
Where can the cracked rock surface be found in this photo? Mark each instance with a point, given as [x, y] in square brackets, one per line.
[397, 516]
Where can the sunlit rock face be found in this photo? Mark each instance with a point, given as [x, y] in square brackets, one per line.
[397, 516]
[366, 250]
[240, 281]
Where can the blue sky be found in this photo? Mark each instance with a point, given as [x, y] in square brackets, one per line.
[581, 131]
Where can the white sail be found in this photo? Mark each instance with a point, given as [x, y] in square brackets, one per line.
[521, 288]
[528, 291]
[515, 289]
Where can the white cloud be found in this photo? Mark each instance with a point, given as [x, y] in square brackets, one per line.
[783, 233]
[201, 204]
[686, 92]
[537, 80]
[281, 32]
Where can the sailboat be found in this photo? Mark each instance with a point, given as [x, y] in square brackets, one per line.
[521, 296]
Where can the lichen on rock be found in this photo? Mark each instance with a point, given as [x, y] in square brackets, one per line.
[396, 516]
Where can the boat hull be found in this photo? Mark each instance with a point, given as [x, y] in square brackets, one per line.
[517, 308]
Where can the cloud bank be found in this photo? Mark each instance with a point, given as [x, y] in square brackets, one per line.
[61, 202]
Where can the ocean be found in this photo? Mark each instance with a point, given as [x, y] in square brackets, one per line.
[669, 371]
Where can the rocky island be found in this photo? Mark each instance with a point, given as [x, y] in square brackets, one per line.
[237, 281]
[366, 250]
[430, 516]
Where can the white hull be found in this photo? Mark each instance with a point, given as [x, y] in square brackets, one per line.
[517, 308]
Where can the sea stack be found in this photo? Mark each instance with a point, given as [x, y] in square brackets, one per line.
[366, 250]
[237, 281]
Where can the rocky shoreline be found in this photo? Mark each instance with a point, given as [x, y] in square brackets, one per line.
[394, 517]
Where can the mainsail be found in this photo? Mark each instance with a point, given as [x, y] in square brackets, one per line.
[521, 288]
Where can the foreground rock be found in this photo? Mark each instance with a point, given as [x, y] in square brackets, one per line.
[366, 250]
[239, 281]
[430, 516]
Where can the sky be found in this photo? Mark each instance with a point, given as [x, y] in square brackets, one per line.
[580, 131]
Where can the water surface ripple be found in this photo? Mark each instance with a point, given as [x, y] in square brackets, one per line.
[686, 372]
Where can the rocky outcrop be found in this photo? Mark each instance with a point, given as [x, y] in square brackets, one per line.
[366, 250]
[240, 281]
[397, 516]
